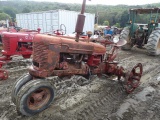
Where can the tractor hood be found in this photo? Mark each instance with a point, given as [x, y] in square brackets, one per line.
[69, 45]
[20, 36]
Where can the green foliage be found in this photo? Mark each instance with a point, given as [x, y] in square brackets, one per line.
[113, 14]
[10, 11]
[26, 10]
[106, 23]
[117, 25]
[124, 18]
[4, 16]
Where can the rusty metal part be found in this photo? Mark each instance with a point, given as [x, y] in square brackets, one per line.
[38, 98]
[46, 55]
[4, 58]
[80, 21]
[113, 69]
[133, 78]
[112, 54]
[83, 6]
[3, 74]
[2, 63]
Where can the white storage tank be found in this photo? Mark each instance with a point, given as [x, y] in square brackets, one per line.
[51, 20]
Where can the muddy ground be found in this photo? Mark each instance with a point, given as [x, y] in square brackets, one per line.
[101, 99]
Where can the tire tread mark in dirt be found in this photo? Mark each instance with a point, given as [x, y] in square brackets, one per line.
[153, 70]
[152, 67]
[92, 107]
[65, 92]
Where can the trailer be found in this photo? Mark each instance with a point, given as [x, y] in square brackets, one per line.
[52, 20]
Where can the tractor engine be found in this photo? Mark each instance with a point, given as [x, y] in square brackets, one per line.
[64, 56]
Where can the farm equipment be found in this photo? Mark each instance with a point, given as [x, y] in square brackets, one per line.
[61, 31]
[6, 30]
[15, 43]
[59, 56]
[8, 26]
[140, 35]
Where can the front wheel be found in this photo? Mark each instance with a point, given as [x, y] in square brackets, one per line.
[34, 97]
[18, 84]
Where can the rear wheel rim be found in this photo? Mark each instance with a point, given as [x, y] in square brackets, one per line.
[38, 98]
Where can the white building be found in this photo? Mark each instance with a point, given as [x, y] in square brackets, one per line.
[52, 20]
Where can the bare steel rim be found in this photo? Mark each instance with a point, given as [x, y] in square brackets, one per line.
[38, 98]
[133, 78]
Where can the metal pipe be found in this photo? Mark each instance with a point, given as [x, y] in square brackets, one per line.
[83, 6]
[80, 21]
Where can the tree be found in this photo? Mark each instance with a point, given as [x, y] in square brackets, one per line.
[106, 23]
[117, 25]
[4, 16]
[124, 18]
[10, 11]
[26, 10]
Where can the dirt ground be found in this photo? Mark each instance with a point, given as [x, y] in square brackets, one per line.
[101, 99]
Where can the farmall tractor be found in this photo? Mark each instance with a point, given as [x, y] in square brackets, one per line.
[140, 35]
[6, 30]
[59, 56]
[15, 43]
[8, 27]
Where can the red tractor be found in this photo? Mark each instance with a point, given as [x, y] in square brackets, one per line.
[15, 43]
[66, 56]
[2, 29]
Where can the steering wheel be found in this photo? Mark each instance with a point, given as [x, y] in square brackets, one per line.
[63, 29]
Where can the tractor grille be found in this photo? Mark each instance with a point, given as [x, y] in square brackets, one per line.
[6, 44]
[40, 55]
